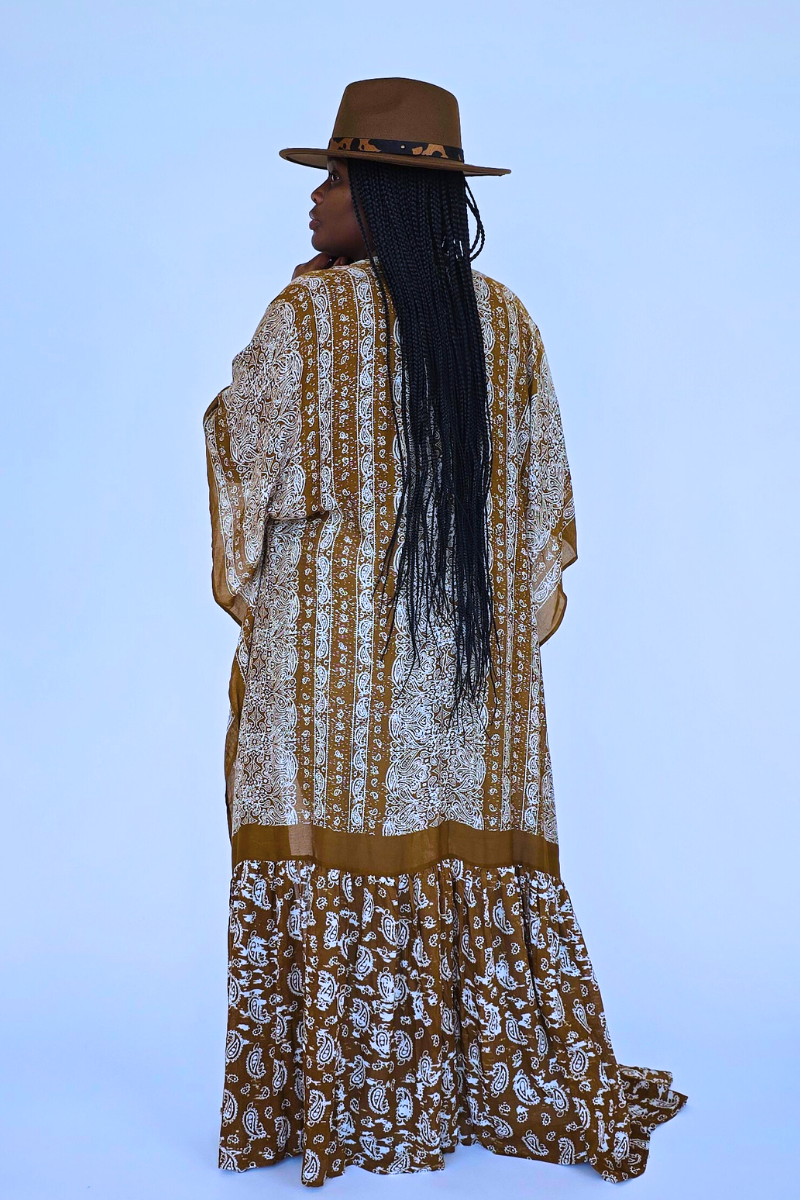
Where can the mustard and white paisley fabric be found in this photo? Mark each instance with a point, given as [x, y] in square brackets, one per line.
[405, 968]
[380, 1021]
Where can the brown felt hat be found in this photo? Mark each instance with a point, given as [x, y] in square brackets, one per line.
[401, 121]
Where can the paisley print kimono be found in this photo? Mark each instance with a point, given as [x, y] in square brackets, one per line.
[405, 968]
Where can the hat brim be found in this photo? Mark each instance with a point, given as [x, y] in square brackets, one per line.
[319, 158]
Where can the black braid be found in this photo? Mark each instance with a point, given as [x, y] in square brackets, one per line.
[415, 224]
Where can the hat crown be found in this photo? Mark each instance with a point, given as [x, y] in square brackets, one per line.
[398, 109]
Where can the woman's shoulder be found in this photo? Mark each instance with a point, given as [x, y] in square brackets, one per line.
[313, 291]
[505, 302]
[298, 302]
[298, 292]
[326, 279]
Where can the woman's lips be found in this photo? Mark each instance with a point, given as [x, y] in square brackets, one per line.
[314, 223]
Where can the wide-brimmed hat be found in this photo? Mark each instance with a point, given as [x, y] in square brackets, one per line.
[401, 121]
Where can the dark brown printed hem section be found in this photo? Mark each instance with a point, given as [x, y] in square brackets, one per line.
[389, 146]
[373, 854]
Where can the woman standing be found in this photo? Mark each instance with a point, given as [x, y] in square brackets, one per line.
[392, 514]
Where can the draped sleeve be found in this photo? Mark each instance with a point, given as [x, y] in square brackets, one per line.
[548, 510]
[251, 429]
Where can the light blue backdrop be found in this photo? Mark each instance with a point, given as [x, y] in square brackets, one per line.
[649, 225]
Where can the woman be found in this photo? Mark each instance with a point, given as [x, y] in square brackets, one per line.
[392, 514]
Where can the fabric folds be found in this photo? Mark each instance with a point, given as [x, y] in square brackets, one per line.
[381, 1020]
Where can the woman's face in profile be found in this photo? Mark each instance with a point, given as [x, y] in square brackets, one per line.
[333, 221]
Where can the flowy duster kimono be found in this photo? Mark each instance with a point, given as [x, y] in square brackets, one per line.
[405, 968]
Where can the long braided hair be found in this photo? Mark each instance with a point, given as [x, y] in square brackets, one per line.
[415, 224]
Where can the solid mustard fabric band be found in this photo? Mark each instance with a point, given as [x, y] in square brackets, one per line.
[372, 854]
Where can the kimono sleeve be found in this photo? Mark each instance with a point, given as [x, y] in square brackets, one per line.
[251, 429]
[546, 493]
